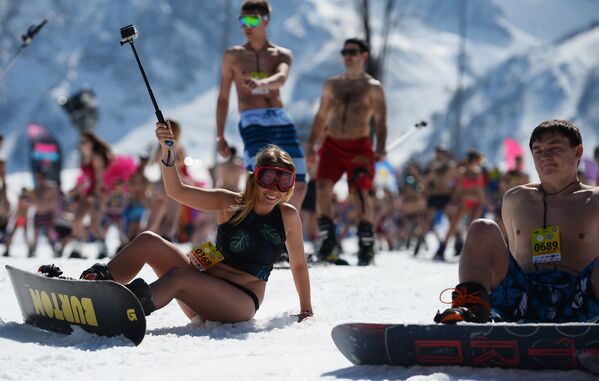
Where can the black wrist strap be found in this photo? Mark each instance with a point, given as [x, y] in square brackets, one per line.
[168, 164]
[170, 158]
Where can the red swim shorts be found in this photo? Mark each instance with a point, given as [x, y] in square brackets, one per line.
[354, 156]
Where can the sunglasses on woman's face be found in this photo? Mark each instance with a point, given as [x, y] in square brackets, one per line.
[250, 21]
[268, 177]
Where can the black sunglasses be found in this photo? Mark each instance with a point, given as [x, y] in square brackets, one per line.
[349, 52]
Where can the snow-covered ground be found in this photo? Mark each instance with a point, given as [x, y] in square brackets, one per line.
[272, 346]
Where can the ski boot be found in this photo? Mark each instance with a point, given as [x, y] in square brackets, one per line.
[365, 243]
[50, 271]
[440, 254]
[57, 249]
[470, 302]
[143, 292]
[98, 271]
[102, 249]
[419, 243]
[458, 244]
[327, 240]
[76, 252]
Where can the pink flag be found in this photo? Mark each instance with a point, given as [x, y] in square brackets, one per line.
[512, 149]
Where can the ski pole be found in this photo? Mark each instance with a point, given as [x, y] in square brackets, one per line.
[401, 138]
[128, 34]
[27, 38]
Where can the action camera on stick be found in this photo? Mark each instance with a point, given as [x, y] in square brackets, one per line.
[128, 34]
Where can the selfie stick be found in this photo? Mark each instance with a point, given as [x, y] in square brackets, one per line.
[27, 38]
[405, 135]
[128, 34]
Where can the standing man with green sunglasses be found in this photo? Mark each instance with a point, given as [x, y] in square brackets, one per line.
[259, 69]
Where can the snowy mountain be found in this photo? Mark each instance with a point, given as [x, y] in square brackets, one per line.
[181, 42]
[554, 81]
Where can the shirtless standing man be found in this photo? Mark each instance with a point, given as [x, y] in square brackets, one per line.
[438, 183]
[259, 69]
[547, 272]
[46, 197]
[349, 102]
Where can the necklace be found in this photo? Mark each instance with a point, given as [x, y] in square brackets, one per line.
[545, 194]
[257, 53]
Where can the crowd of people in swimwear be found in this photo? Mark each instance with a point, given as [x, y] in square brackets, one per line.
[445, 189]
[110, 191]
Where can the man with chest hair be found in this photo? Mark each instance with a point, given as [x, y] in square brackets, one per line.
[348, 104]
[547, 271]
[259, 69]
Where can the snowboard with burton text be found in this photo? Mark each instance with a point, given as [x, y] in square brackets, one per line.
[105, 308]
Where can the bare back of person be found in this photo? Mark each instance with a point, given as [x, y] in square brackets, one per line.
[352, 106]
[576, 210]
[245, 62]
[229, 173]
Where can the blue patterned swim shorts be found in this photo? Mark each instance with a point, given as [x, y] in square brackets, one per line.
[547, 296]
[263, 126]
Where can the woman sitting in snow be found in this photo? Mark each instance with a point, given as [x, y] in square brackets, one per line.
[253, 227]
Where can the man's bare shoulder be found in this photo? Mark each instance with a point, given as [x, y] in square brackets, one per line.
[521, 191]
[281, 50]
[335, 80]
[236, 49]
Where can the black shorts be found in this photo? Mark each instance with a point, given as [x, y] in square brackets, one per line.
[247, 291]
[438, 202]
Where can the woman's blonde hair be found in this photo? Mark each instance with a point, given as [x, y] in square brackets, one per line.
[272, 156]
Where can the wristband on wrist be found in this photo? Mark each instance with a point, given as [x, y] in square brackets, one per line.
[220, 138]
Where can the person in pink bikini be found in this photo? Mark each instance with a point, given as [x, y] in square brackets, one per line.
[470, 197]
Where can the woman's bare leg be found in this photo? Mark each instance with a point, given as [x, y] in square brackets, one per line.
[147, 248]
[210, 297]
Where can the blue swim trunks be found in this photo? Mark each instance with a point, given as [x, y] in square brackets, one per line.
[547, 296]
[263, 126]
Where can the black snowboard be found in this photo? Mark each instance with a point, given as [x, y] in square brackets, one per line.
[524, 346]
[105, 308]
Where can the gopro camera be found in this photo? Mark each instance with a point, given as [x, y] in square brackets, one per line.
[128, 34]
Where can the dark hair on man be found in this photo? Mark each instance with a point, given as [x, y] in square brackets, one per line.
[556, 126]
[473, 155]
[596, 152]
[261, 7]
[364, 48]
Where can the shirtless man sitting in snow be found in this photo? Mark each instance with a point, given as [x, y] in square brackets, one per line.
[547, 272]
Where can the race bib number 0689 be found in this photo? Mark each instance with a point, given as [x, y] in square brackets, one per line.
[546, 245]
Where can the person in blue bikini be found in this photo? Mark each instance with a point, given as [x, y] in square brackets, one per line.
[259, 70]
[547, 271]
[225, 282]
